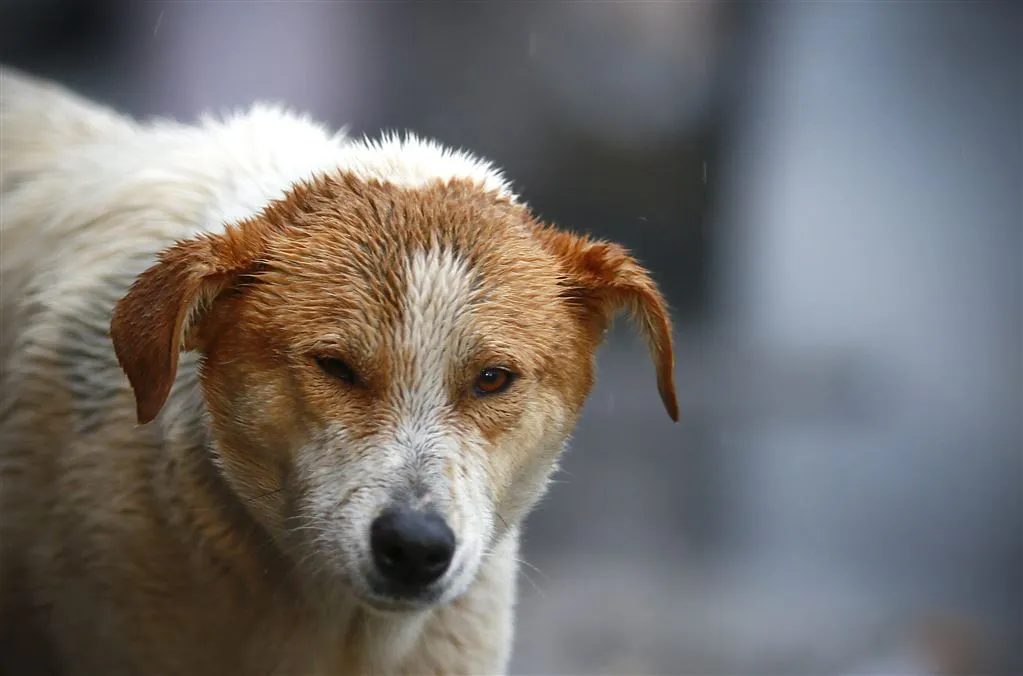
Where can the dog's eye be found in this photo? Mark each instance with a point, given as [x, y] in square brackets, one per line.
[337, 368]
[493, 380]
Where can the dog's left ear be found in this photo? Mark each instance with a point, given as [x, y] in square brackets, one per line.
[603, 279]
[151, 322]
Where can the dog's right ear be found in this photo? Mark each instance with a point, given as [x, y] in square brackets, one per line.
[150, 323]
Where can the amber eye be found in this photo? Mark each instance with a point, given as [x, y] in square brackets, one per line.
[493, 380]
[337, 369]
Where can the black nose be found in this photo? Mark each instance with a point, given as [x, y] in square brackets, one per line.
[411, 548]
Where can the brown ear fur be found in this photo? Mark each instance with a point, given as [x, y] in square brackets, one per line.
[605, 279]
[150, 323]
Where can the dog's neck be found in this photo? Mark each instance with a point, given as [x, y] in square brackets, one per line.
[214, 519]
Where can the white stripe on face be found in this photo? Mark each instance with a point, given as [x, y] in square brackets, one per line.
[431, 336]
[437, 299]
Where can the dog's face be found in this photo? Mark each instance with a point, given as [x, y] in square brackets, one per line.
[391, 372]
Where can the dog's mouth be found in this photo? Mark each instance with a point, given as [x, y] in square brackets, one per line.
[388, 596]
[391, 605]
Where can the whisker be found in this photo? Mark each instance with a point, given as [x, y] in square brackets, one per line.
[531, 566]
[531, 581]
[310, 526]
[569, 476]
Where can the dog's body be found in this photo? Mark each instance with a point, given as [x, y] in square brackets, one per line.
[227, 534]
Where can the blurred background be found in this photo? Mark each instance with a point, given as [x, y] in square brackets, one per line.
[829, 194]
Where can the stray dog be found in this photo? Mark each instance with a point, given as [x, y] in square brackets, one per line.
[275, 400]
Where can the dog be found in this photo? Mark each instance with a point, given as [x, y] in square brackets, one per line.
[276, 400]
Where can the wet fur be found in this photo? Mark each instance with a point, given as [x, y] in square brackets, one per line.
[182, 491]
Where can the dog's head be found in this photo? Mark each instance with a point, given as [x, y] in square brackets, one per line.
[391, 371]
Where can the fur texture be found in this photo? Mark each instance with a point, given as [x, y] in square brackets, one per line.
[183, 488]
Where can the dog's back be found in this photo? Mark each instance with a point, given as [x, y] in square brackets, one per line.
[40, 121]
[41, 126]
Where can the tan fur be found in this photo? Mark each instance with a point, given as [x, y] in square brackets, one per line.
[147, 522]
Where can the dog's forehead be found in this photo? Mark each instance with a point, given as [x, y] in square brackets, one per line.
[342, 219]
[423, 266]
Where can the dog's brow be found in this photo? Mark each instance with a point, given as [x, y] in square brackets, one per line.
[491, 352]
[330, 341]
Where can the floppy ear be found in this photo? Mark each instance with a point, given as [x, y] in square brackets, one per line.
[603, 279]
[151, 322]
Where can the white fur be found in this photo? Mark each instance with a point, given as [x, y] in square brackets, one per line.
[413, 162]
